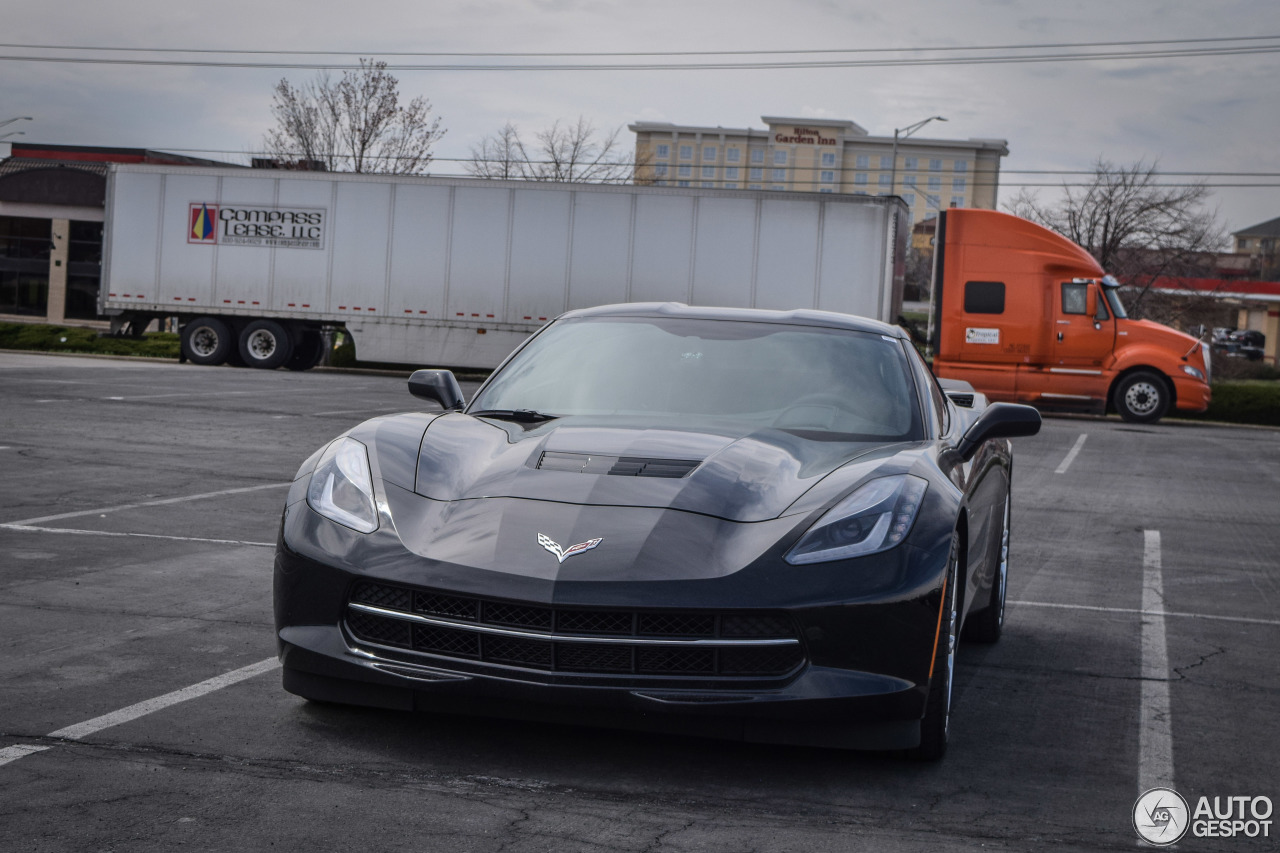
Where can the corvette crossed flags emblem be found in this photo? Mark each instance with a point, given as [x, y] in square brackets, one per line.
[561, 553]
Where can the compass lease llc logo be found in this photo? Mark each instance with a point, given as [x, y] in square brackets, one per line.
[1161, 816]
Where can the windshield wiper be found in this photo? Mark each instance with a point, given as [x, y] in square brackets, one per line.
[524, 416]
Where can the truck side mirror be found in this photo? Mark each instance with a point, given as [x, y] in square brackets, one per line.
[438, 385]
[998, 420]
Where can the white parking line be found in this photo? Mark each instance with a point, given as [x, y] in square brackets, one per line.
[162, 502]
[28, 528]
[1071, 454]
[79, 731]
[1155, 737]
[1093, 608]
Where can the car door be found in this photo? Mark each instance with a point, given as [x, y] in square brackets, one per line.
[1084, 335]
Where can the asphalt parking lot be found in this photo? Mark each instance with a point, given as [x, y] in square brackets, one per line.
[141, 708]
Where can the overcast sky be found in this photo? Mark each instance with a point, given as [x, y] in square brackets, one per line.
[1219, 114]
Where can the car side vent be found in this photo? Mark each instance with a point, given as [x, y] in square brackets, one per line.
[619, 466]
[964, 401]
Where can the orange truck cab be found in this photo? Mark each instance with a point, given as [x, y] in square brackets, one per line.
[1025, 315]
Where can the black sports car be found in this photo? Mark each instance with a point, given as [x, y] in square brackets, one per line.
[751, 524]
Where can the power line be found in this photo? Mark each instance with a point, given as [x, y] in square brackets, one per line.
[512, 54]
[921, 62]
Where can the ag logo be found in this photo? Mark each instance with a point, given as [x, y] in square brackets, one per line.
[563, 553]
[1160, 816]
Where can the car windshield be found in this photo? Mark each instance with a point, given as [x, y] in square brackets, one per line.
[815, 382]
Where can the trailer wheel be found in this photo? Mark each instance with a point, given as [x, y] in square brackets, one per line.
[207, 340]
[308, 348]
[265, 344]
[1142, 398]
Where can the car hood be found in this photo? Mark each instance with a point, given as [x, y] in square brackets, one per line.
[1148, 331]
[736, 477]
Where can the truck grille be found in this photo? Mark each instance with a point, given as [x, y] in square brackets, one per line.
[703, 643]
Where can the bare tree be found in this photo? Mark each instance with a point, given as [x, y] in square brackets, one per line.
[1137, 227]
[562, 152]
[355, 124]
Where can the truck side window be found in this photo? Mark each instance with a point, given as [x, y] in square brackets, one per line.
[1075, 297]
[984, 297]
[1103, 314]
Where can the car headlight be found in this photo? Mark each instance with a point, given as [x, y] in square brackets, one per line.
[1193, 371]
[874, 518]
[342, 488]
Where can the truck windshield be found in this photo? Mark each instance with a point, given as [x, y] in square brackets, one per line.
[735, 376]
[1113, 299]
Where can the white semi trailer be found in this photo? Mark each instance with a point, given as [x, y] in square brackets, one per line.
[457, 272]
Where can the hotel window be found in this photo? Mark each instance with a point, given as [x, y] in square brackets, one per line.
[686, 152]
[828, 177]
[664, 151]
[757, 155]
[731, 173]
[682, 183]
[731, 186]
[908, 180]
[709, 153]
[685, 171]
[935, 202]
[828, 158]
[935, 183]
[962, 166]
[778, 187]
[935, 165]
[861, 192]
[706, 185]
[826, 190]
[884, 180]
[708, 171]
[957, 201]
[886, 161]
[911, 163]
[779, 174]
[660, 170]
[756, 175]
[860, 179]
[779, 158]
[733, 155]
[755, 187]
[910, 199]
[958, 183]
[863, 161]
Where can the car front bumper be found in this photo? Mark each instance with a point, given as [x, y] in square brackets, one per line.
[862, 632]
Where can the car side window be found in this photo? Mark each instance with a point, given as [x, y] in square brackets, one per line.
[941, 413]
[1075, 297]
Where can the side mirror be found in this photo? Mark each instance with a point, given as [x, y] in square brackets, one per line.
[999, 420]
[438, 385]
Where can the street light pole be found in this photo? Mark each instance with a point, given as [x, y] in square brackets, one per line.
[16, 118]
[905, 132]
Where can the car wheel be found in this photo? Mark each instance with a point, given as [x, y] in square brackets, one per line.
[307, 351]
[207, 340]
[936, 725]
[265, 344]
[986, 626]
[1142, 398]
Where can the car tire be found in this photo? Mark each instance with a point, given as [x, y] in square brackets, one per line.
[987, 625]
[936, 725]
[1142, 397]
[308, 348]
[265, 344]
[207, 340]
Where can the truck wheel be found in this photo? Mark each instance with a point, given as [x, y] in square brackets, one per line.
[1142, 398]
[207, 340]
[307, 350]
[265, 344]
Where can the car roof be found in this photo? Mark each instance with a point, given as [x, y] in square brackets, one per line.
[798, 317]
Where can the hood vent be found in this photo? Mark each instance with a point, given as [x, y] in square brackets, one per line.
[621, 466]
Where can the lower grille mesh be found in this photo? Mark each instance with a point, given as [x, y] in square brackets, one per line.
[611, 655]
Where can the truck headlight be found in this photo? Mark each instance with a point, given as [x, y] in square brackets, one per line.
[1193, 371]
[341, 488]
[874, 518]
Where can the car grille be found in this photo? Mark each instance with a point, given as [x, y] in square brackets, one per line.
[623, 643]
